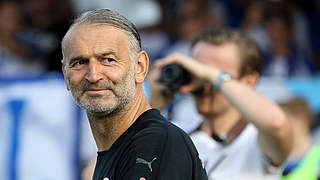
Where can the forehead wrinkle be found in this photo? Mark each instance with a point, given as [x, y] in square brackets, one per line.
[87, 27]
[97, 40]
[76, 28]
[127, 35]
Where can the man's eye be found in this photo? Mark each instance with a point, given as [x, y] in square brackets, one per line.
[107, 60]
[78, 63]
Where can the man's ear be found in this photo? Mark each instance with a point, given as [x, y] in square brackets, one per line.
[250, 79]
[141, 66]
[65, 75]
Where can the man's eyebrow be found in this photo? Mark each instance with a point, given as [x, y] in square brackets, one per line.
[108, 53]
[76, 58]
[98, 54]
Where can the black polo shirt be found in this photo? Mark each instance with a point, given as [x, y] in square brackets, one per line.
[152, 148]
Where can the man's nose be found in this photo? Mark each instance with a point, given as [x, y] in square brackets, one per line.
[94, 71]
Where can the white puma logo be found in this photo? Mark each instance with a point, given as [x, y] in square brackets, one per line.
[140, 160]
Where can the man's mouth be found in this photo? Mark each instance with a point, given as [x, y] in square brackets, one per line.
[95, 91]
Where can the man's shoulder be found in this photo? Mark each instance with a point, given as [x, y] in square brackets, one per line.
[155, 131]
[154, 124]
[155, 147]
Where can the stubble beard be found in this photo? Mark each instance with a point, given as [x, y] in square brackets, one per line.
[123, 93]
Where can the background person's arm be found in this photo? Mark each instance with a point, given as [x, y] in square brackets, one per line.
[275, 137]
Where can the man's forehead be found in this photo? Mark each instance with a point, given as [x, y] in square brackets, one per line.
[95, 27]
[95, 32]
[224, 56]
[226, 51]
[94, 38]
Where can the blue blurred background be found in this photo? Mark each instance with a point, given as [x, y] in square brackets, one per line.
[45, 136]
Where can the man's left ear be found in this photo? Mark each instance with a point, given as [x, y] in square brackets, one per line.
[250, 79]
[141, 66]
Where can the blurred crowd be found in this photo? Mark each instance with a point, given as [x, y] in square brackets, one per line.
[286, 31]
[31, 30]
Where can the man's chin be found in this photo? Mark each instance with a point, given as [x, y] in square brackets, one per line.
[95, 104]
[99, 112]
[94, 107]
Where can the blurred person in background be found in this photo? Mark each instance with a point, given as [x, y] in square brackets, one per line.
[301, 25]
[252, 24]
[19, 54]
[313, 11]
[244, 135]
[190, 17]
[31, 133]
[304, 159]
[187, 19]
[148, 17]
[46, 22]
[284, 58]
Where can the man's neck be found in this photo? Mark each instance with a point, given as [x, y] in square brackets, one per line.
[222, 123]
[107, 130]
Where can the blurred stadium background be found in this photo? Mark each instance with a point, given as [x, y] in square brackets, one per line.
[44, 135]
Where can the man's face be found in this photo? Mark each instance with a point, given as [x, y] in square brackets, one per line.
[224, 57]
[99, 71]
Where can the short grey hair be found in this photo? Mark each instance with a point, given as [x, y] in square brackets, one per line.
[106, 16]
